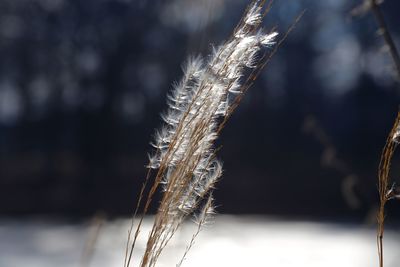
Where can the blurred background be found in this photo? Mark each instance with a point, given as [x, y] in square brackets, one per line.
[82, 84]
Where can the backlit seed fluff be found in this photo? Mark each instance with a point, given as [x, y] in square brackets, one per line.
[184, 153]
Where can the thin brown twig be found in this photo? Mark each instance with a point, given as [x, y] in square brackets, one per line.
[384, 30]
[200, 224]
[391, 144]
[383, 183]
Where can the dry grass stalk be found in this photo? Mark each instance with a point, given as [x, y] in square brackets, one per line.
[386, 191]
[184, 159]
[387, 36]
[374, 7]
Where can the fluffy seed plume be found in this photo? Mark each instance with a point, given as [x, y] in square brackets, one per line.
[184, 156]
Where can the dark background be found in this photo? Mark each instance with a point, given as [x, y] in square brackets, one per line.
[82, 84]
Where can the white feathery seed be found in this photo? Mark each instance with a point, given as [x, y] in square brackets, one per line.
[396, 135]
[184, 152]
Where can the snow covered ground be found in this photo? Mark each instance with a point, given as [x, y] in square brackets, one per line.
[230, 241]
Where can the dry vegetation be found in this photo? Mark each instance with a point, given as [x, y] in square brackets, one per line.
[386, 191]
[184, 163]
[184, 159]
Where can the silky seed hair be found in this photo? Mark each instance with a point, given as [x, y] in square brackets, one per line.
[184, 154]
